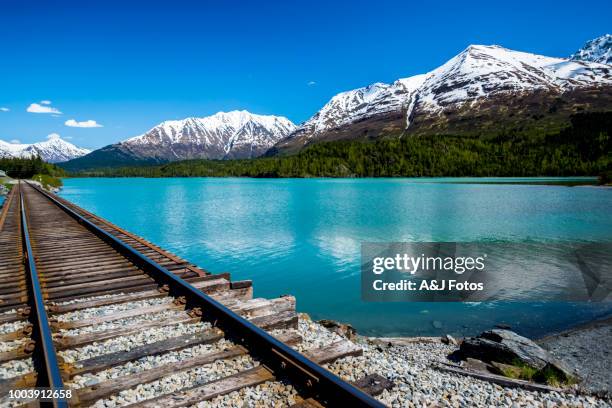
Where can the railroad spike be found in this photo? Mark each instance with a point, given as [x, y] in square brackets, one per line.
[195, 312]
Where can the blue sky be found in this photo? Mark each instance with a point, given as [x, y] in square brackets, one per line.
[129, 65]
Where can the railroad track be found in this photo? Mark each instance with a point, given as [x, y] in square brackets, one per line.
[90, 308]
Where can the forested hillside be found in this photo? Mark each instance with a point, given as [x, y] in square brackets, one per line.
[583, 148]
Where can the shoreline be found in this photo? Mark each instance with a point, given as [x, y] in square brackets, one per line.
[584, 347]
[593, 324]
[570, 181]
[415, 368]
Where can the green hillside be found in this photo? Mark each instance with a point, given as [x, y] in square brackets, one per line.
[583, 148]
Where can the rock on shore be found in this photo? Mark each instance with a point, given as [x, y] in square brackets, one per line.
[410, 365]
[508, 348]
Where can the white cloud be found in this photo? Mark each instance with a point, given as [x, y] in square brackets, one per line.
[3, 109]
[53, 136]
[45, 102]
[311, 83]
[84, 124]
[44, 108]
[15, 141]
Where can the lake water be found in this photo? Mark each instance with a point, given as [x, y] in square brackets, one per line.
[302, 237]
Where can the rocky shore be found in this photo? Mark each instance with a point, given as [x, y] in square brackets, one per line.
[586, 348]
[413, 367]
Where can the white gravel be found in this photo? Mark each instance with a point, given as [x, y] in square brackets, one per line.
[16, 368]
[418, 384]
[146, 336]
[313, 335]
[11, 345]
[116, 324]
[269, 394]
[12, 326]
[10, 403]
[86, 299]
[178, 381]
[110, 309]
[147, 363]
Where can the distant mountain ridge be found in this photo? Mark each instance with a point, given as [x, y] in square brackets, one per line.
[224, 135]
[53, 150]
[481, 90]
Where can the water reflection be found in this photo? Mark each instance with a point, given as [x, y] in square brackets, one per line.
[303, 236]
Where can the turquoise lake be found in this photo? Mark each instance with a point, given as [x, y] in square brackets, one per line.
[302, 237]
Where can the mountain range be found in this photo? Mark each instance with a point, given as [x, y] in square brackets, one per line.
[53, 150]
[224, 135]
[486, 90]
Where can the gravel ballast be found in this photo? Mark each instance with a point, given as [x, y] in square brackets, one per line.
[178, 381]
[269, 394]
[15, 368]
[12, 326]
[147, 363]
[111, 309]
[119, 323]
[146, 336]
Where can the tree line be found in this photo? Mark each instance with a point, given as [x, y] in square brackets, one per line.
[26, 168]
[582, 148]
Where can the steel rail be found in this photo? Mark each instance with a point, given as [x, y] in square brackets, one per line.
[5, 206]
[45, 356]
[313, 379]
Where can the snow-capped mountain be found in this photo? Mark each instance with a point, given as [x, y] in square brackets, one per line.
[53, 150]
[224, 135]
[236, 134]
[492, 84]
[597, 50]
[352, 106]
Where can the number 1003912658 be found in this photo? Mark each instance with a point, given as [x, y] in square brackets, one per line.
[47, 394]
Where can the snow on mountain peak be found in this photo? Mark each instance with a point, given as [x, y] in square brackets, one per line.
[477, 72]
[225, 134]
[351, 106]
[596, 50]
[53, 150]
